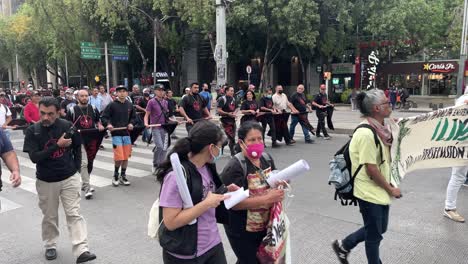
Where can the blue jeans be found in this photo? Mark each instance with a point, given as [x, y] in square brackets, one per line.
[292, 127]
[375, 218]
[160, 139]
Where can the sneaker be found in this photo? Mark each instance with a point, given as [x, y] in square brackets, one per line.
[115, 181]
[454, 215]
[309, 141]
[327, 137]
[89, 195]
[275, 145]
[466, 183]
[123, 180]
[50, 253]
[293, 141]
[85, 257]
[340, 252]
[101, 147]
[154, 170]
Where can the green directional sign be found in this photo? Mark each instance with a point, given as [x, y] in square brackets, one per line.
[90, 51]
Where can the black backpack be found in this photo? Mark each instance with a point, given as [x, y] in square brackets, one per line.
[344, 190]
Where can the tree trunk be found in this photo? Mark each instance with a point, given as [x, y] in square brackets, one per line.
[299, 54]
[265, 65]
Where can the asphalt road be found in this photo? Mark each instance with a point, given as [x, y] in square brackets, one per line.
[117, 217]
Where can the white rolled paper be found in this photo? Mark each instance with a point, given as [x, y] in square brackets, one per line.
[181, 183]
[236, 197]
[294, 170]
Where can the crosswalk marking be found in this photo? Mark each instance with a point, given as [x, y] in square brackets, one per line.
[134, 149]
[7, 205]
[95, 180]
[133, 158]
[130, 171]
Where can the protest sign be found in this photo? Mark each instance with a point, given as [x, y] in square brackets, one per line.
[434, 140]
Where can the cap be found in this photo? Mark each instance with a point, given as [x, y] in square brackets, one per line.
[187, 89]
[121, 87]
[159, 87]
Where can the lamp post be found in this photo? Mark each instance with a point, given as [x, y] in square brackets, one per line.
[155, 21]
[461, 63]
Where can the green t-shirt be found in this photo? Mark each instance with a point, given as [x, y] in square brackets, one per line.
[363, 150]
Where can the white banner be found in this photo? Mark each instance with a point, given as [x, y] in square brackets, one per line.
[434, 140]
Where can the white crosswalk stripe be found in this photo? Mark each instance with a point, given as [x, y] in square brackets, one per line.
[7, 205]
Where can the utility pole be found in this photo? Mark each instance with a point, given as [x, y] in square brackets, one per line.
[220, 51]
[106, 54]
[461, 63]
[155, 39]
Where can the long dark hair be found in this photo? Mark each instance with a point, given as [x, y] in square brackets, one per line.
[202, 134]
[244, 129]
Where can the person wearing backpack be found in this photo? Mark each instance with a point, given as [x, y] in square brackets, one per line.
[372, 187]
[198, 154]
[248, 220]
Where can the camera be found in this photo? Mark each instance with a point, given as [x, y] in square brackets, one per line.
[71, 131]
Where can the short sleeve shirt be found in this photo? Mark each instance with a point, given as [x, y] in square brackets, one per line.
[155, 112]
[193, 106]
[243, 222]
[266, 102]
[299, 101]
[280, 101]
[363, 150]
[208, 234]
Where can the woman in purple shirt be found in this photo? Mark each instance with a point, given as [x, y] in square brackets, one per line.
[197, 154]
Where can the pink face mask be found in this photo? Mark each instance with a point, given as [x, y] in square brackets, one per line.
[254, 151]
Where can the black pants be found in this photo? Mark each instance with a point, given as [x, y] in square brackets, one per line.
[245, 246]
[329, 117]
[375, 217]
[212, 256]
[321, 123]
[271, 123]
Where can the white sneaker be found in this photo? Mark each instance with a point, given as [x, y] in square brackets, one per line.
[454, 215]
[115, 182]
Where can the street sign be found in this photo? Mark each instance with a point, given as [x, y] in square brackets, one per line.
[119, 57]
[119, 52]
[248, 69]
[90, 51]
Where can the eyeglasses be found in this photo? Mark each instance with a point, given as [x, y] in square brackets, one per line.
[386, 103]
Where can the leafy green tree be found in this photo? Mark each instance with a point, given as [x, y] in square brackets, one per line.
[279, 23]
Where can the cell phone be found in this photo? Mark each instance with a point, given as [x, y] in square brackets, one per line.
[221, 190]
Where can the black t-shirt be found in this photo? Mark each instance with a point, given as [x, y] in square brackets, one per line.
[321, 99]
[141, 102]
[193, 106]
[265, 102]
[227, 104]
[53, 163]
[83, 118]
[171, 104]
[249, 105]
[234, 173]
[65, 104]
[299, 100]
